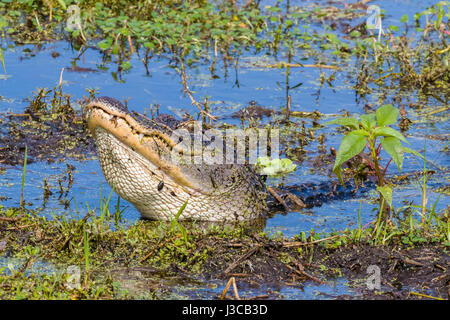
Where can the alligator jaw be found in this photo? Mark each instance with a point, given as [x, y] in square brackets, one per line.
[128, 131]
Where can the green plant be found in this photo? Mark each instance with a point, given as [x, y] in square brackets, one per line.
[369, 130]
[118, 212]
[174, 222]
[3, 24]
[2, 59]
[86, 252]
[23, 176]
[275, 167]
[104, 206]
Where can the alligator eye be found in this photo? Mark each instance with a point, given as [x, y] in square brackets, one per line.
[114, 120]
[160, 185]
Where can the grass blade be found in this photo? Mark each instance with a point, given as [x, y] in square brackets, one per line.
[2, 59]
[23, 176]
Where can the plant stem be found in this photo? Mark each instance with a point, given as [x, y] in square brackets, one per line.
[375, 162]
[384, 210]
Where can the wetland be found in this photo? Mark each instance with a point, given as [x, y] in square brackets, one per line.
[306, 68]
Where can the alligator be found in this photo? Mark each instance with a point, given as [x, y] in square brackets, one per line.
[136, 157]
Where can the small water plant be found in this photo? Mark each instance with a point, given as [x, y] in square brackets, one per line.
[176, 225]
[373, 131]
[274, 167]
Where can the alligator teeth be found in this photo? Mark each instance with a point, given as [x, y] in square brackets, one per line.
[141, 136]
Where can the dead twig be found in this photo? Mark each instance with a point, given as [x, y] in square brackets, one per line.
[225, 290]
[425, 296]
[235, 290]
[278, 198]
[300, 270]
[288, 244]
[22, 114]
[261, 296]
[410, 261]
[230, 282]
[189, 93]
[27, 264]
[239, 275]
[298, 65]
[19, 227]
[130, 42]
[242, 258]
[296, 200]
[8, 219]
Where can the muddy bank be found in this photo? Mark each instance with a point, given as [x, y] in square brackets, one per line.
[155, 260]
[405, 272]
[47, 137]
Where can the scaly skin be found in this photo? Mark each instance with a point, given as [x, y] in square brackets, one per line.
[135, 154]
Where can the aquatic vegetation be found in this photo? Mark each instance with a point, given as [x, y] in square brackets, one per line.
[403, 61]
[365, 133]
[275, 167]
[49, 129]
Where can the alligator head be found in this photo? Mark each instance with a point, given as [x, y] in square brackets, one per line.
[136, 155]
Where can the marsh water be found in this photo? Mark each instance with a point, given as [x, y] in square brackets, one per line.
[30, 67]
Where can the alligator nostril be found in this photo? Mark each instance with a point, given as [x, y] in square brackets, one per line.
[160, 185]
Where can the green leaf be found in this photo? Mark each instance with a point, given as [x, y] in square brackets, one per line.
[126, 65]
[180, 211]
[394, 147]
[393, 28]
[62, 4]
[115, 49]
[124, 31]
[412, 151]
[345, 121]
[355, 34]
[386, 192]
[388, 132]
[351, 145]
[387, 115]
[361, 132]
[368, 121]
[263, 161]
[274, 167]
[3, 23]
[2, 59]
[404, 18]
[105, 44]
[149, 45]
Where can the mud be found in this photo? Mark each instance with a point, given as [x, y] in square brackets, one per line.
[48, 137]
[405, 272]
